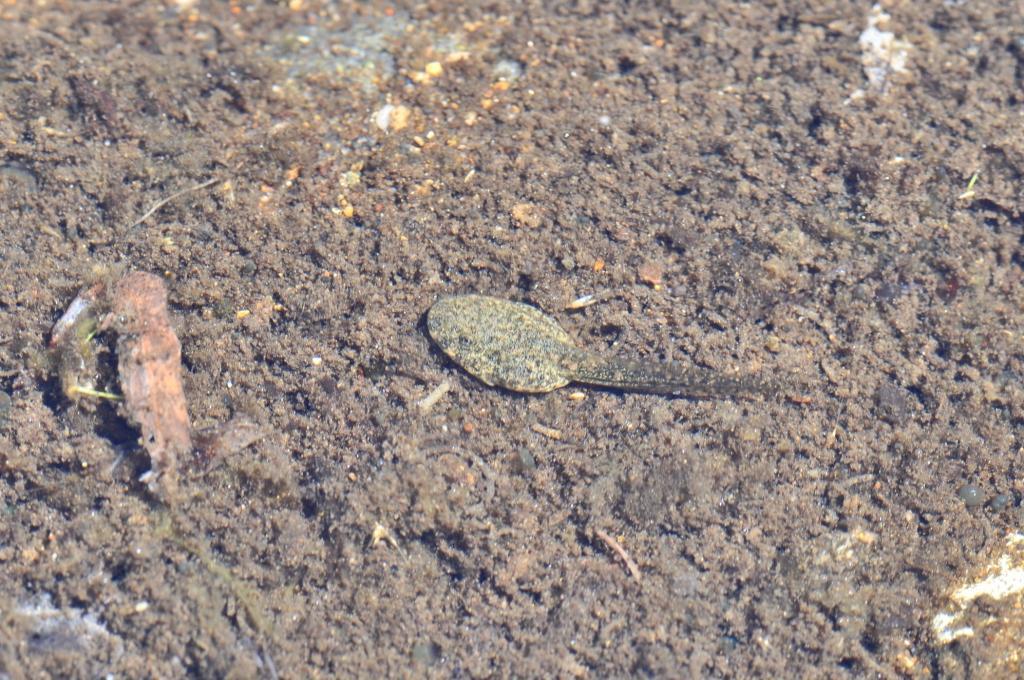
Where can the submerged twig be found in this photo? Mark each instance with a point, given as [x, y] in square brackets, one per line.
[610, 541]
[164, 201]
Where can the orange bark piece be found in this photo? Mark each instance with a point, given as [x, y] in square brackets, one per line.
[149, 370]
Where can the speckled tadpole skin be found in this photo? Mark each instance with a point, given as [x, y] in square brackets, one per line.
[518, 347]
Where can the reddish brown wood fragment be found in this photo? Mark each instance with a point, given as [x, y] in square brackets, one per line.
[149, 370]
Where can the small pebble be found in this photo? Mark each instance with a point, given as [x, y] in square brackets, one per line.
[892, 404]
[382, 119]
[651, 273]
[19, 176]
[426, 653]
[1000, 501]
[525, 461]
[507, 69]
[971, 495]
[5, 408]
[392, 118]
[527, 215]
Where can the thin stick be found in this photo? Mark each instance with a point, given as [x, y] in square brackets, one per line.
[549, 432]
[78, 390]
[621, 552]
[164, 201]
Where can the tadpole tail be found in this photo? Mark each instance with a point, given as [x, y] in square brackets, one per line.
[670, 379]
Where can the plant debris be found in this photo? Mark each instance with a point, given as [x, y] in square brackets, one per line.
[164, 201]
[148, 372]
[610, 541]
[71, 344]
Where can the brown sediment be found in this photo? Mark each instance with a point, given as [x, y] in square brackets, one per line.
[808, 226]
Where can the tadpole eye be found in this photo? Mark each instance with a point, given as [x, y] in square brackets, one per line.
[464, 342]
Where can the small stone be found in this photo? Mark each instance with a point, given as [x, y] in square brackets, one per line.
[892, 404]
[1000, 501]
[651, 273]
[400, 118]
[971, 495]
[5, 407]
[426, 653]
[392, 118]
[527, 215]
[507, 69]
[382, 119]
[525, 461]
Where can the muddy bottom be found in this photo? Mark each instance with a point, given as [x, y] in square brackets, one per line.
[826, 199]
